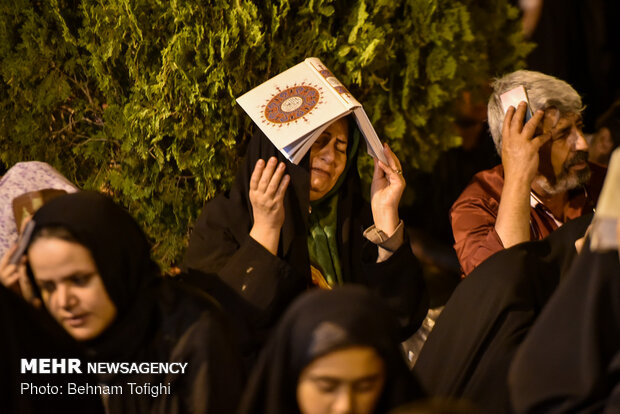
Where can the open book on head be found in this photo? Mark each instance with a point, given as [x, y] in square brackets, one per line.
[296, 106]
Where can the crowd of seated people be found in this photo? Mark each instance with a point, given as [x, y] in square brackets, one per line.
[296, 294]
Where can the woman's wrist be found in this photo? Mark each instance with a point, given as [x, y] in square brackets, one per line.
[267, 237]
[386, 222]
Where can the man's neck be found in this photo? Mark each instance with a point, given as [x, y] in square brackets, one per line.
[554, 202]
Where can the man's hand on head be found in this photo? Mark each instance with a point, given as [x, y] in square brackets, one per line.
[520, 160]
[520, 145]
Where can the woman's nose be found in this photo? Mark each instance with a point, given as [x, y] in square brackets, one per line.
[65, 297]
[344, 401]
[328, 153]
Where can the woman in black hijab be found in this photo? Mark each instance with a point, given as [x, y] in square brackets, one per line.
[570, 361]
[283, 228]
[92, 266]
[332, 350]
[469, 351]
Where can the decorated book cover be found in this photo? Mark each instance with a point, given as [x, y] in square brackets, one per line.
[294, 107]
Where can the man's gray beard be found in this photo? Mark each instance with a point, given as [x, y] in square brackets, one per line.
[567, 181]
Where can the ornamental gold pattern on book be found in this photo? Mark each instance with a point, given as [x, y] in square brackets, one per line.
[292, 104]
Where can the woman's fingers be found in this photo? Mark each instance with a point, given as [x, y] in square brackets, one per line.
[276, 179]
[257, 174]
[267, 174]
[394, 169]
[393, 176]
[10, 276]
[384, 168]
[282, 187]
[5, 259]
[393, 161]
[8, 272]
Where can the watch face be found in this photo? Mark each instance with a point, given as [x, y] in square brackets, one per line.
[292, 104]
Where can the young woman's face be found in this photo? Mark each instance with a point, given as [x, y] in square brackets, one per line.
[345, 381]
[328, 157]
[71, 287]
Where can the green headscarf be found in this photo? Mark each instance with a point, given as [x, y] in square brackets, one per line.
[323, 221]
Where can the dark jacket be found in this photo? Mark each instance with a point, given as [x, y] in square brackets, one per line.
[183, 327]
[570, 361]
[469, 351]
[220, 243]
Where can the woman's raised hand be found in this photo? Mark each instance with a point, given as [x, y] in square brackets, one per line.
[386, 190]
[268, 185]
[13, 277]
[9, 273]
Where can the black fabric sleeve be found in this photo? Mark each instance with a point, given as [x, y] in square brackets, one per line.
[399, 281]
[260, 277]
[252, 282]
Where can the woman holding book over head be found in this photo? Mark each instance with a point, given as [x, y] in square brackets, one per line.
[284, 228]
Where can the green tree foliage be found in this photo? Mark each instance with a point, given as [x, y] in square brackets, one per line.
[137, 97]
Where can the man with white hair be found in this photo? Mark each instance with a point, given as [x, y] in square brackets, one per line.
[544, 179]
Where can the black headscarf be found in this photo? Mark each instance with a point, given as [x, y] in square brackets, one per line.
[316, 324]
[122, 256]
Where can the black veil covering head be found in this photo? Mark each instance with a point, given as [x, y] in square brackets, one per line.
[122, 255]
[320, 322]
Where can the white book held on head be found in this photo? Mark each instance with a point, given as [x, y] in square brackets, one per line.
[296, 106]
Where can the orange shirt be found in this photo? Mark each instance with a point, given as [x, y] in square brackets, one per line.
[473, 214]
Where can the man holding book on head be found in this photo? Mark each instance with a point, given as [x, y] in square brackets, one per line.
[295, 219]
[544, 180]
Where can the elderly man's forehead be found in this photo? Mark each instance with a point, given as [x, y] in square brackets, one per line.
[555, 118]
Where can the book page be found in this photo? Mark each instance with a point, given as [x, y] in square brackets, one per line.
[342, 92]
[373, 143]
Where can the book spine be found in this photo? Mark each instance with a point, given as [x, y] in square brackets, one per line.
[333, 83]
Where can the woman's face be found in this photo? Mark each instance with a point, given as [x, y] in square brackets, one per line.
[345, 381]
[71, 287]
[328, 157]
